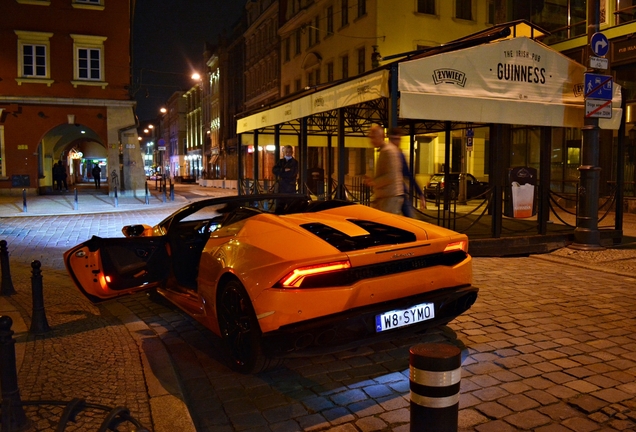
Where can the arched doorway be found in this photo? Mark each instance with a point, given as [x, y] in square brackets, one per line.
[76, 148]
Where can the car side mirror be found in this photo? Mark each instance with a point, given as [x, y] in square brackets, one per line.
[133, 230]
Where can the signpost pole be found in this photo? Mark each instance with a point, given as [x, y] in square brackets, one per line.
[586, 234]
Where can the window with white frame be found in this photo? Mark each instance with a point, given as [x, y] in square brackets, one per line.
[35, 2]
[88, 53]
[2, 163]
[88, 4]
[33, 57]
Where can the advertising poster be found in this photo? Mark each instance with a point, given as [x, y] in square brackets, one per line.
[522, 183]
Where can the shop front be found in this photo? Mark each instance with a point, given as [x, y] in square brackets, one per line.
[480, 108]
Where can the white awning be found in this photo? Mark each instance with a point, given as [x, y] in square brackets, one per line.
[514, 81]
[362, 89]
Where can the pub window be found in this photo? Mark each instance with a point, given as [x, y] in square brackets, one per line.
[625, 11]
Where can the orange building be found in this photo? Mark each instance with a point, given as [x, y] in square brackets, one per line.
[65, 71]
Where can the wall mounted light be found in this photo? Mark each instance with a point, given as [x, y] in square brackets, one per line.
[70, 118]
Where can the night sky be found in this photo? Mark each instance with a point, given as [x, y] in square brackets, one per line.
[168, 42]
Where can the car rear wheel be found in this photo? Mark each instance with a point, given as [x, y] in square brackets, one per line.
[240, 330]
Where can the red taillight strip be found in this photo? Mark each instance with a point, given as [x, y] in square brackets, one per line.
[455, 246]
[296, 276]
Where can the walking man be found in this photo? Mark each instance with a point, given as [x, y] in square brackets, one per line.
[387, 183]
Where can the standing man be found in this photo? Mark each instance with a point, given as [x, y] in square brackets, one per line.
[97, 174]
[387, 183]
[395, 136]
[286, 171]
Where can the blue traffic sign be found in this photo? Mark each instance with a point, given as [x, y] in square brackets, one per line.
[599, 44]
[598, 86]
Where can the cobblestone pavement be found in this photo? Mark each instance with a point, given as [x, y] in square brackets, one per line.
[549, 346]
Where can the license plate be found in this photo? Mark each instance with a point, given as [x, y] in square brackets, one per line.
[400, 318]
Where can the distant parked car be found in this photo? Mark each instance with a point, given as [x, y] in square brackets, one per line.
[437, 184]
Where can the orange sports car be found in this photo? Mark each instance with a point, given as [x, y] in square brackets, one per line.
[279, 274]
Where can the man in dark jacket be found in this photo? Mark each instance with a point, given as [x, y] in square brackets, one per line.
[97, 174]
[286, 171]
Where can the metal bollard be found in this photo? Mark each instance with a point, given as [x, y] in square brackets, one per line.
[76, 202]
[7, 283]
[39, 323]
[147, 195]
[13, 416]
[435, 377]
[24, 203]
[163, 194]
[116, 199]
[171, 190]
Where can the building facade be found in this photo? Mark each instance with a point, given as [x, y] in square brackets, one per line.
[173, 133]
[65, 74]
[194, 133]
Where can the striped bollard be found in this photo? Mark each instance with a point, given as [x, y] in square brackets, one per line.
[435, 375]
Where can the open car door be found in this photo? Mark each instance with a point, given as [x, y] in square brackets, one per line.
[105, 268]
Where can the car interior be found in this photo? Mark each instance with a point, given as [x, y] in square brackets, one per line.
[188, 237]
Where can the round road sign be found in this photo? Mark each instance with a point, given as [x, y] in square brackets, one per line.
[599, 44]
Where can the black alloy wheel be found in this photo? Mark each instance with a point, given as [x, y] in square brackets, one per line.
[240, 330]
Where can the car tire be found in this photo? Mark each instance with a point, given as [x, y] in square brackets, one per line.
[240, 330]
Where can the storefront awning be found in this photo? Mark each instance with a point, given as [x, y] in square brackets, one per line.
[355, 91]
[514, 81]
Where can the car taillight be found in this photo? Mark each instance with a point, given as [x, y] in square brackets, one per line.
[456, 246]
[295, 277]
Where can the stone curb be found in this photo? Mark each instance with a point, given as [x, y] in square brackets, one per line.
[168, 409]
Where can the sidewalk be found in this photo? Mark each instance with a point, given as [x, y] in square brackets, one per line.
[89, 201]
[75, 358]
